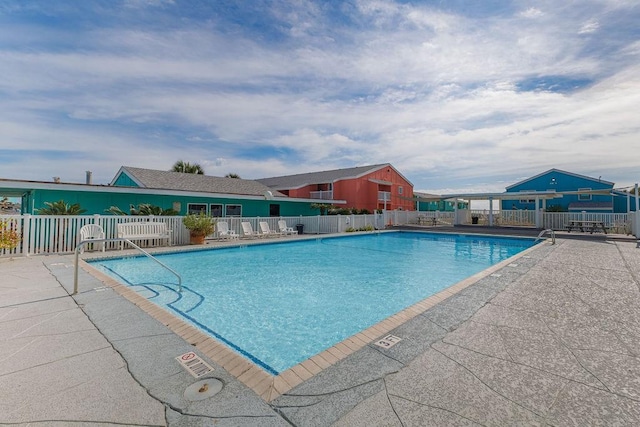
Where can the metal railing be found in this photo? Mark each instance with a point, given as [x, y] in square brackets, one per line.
[117, 239]
[543, 232]
[323, 194]
[384, 196]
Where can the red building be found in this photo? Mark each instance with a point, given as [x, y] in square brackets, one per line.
[363, 187]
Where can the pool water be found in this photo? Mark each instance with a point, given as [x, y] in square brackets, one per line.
[279, 304]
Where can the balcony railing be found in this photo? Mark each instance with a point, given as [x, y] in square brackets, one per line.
[384, 196]
[323, 195]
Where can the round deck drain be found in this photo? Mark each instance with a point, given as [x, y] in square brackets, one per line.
[203, 389]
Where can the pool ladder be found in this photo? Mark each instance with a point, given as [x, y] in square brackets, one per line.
[551, 232]
[119, 239]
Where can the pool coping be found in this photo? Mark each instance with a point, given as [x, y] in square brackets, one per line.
[268, 386]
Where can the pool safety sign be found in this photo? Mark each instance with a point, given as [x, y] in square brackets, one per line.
[388, 341]
[194, 364]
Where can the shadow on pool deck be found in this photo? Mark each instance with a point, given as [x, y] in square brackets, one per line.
[551, 338]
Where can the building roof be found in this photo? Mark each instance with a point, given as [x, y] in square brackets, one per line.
[429, 196]
[321, 177]
[168, 180]
[562, 172]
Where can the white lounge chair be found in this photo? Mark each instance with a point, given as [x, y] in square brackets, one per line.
[267, 231]
[89, 232]
[222, 228]
[247, 231]
[282, 226]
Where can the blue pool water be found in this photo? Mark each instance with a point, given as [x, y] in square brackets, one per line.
[281, 303]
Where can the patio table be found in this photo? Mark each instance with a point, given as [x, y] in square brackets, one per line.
[591, 226]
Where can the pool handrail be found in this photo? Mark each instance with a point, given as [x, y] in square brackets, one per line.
[117, 239]
[551, 232]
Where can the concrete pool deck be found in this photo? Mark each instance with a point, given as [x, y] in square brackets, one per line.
[553, 338]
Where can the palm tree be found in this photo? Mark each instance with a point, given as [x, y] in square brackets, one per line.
[61, 208]
[232, 175]
[186, 167]
[324, 207]
[62, 234]
[145, 209]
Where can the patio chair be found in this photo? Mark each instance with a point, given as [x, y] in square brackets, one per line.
[282, 226]
[247, 231]
[223, 231]
[267, 231]
[89, 232]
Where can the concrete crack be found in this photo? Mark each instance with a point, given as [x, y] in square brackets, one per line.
[437, 407]
[561, 341]
[555, 400]
[631, 271]
[386, 392]
[535, 368]
[19, 350]
[485, 384]
[503, 340]
[40, 315]
[54, 361]
[33, 326]
[143, 336]
[331, 392]
[379, 350]
[8, 312]
[56, 334]
[596, 350]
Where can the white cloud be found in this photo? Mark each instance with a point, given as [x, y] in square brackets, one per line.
[589, 27]
[532, 12]
[433, 92]
[139, 4]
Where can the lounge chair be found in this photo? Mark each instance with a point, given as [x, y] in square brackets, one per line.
[247, 231]
[267, 231]
[282, 226]
[222, 227]
[89, 232]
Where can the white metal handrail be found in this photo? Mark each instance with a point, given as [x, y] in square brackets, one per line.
[118, 239]
[550, 231]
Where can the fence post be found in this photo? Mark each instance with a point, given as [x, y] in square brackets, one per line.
[26, 233]
[636, 215]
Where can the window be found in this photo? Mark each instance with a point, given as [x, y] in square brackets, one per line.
[527, 200]
[233, 210]
[196, 208]
[583, 197]
[274, 210]
[400, 189]
[216, 210]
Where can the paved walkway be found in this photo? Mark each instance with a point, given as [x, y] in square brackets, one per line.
[552, 339]
[55, 366]
[560, 346]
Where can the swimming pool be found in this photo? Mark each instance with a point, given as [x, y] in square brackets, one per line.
[281, 303]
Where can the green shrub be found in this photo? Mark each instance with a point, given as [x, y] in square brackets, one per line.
[200, 224]
[365, 228]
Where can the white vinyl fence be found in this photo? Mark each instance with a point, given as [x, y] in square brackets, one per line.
[45, 234]
[616, 222]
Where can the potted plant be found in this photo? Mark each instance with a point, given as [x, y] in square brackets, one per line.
[9, 236]
[199, 226]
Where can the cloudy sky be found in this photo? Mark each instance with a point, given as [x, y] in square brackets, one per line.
[458, 95]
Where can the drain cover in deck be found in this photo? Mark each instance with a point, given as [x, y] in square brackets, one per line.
[203, 389]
